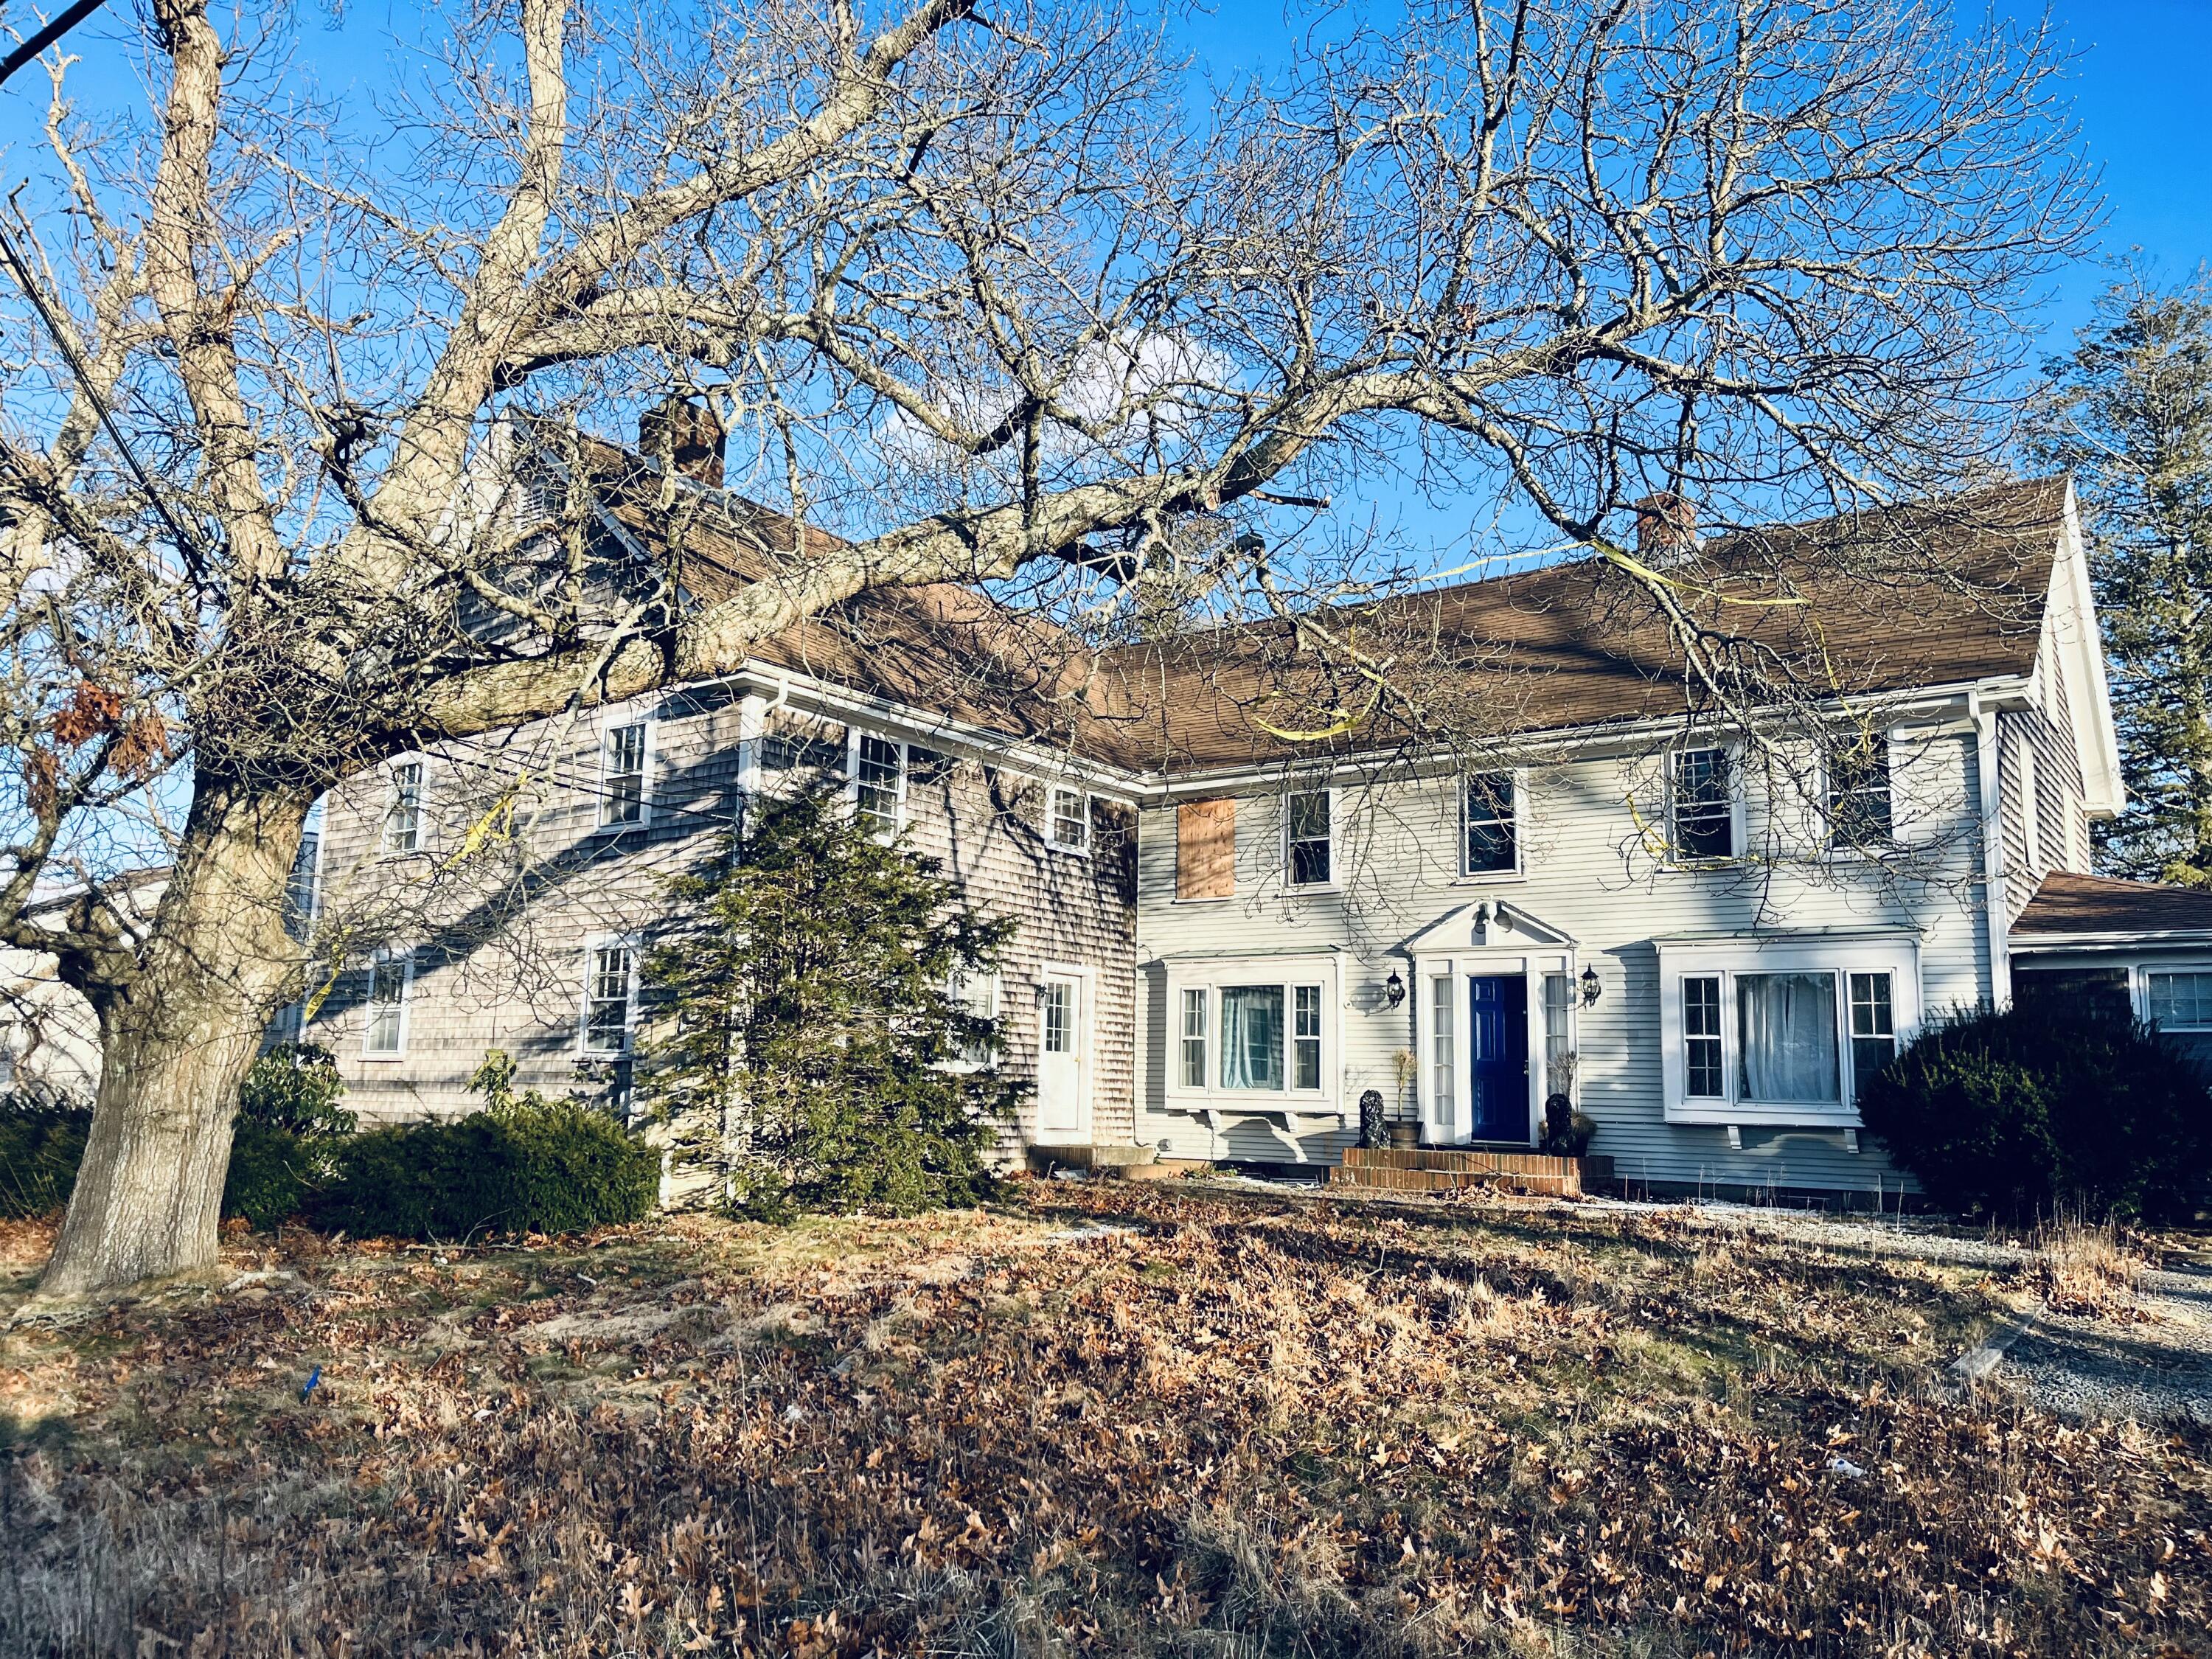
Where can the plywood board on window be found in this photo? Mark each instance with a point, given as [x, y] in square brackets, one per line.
[1205, 849]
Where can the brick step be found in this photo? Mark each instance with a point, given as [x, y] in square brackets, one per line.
[1458, 1160]
[1383, 1178]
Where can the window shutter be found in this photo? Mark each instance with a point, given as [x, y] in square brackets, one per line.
[1205, 849]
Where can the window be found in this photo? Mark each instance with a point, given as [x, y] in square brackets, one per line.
[1858, 794]
[2181, 1002]
[1873, 1029]
[1558, 1033]
[1786, 1038]
[977, 997]
[608, 977]
[1252, 1036]
[1782, 1030]
[1491, 843]
[1446, 1067]
[1703, 806]
[1305, 1038]
[791, 747]
[879, 782]
[622, 775]
[1263, 1026]
[1309, 836]
[1701, 1037]
[1058, 1018]
[403, 813]
[299, 886]
[1194, 1038]
[1205, 849]
[1067, 822]
[384, 1032]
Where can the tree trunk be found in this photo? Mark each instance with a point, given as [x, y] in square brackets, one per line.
[176, 1043]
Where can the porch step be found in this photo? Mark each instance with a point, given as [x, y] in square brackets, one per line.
[1433, 1169]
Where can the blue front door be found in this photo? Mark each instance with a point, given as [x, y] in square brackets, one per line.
[1497, 1058]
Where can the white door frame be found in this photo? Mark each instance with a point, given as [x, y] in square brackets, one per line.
[1087, 992]
[1457, 968]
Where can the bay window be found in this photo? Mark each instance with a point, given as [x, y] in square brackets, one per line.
[1757, 1031]
[1252, 1030]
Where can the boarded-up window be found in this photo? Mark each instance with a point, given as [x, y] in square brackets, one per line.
[1205, 849]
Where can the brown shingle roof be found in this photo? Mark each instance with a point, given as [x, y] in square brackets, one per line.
[1895, 600]
[2068, 903]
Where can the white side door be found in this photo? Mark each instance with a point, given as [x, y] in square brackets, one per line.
[1063, 1047]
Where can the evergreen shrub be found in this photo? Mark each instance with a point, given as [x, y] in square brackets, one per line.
[2017, 1115]
[41, 1143]
[525, 1164]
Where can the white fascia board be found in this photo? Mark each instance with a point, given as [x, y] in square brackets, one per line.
[932, 730]
[2159, 939]
[2089, 694]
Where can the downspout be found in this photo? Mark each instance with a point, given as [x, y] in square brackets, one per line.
[1995, 920]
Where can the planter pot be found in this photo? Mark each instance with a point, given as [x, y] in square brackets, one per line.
[1404, 1137]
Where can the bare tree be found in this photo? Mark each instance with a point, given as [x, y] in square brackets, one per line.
[972, 288]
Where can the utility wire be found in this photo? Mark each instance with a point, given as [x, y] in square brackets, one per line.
[46, 36]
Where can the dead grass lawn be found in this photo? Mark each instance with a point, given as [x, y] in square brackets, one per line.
[1117, 1419]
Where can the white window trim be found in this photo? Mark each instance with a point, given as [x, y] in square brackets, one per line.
[1898, 957]
[592, 945]
[406, 959]
[1826, 815]
[2139, 986]
[1335, 864]
[1052, 818]
[1492, 877]
[1209, 975]
[853, 736]
[384, 845]
[611, 721]
[1739, 819]
[996, 979]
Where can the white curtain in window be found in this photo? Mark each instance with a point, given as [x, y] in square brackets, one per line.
[1789, 1030]
[1252, 1036]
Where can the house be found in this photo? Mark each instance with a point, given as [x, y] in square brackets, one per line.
[1232, 928]
[2134, 947]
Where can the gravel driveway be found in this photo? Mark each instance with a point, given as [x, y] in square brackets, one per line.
[2155, 1367]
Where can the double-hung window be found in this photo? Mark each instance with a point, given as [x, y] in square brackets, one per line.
[1701, 806]
[1310, 844]
[1194, 1037]
[1492, 847]
[622, 775]
[878, 782]
[1874, 1028]
[384, 1027]
[1859, 814]
[1255, 1027]
[1788, 1033]
[1067, 820]
[977, 996]
[610, 996]
[2179, 1001]
[403, 809]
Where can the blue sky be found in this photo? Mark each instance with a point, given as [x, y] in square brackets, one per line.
[2139, 83]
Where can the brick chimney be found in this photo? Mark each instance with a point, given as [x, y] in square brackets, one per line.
[1666, 529]
[692, 430]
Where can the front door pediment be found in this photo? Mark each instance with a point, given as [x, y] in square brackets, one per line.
[1487, 924]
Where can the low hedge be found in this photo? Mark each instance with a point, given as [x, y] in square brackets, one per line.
[41, 1146]
[534, 1166]
[2018, 1115]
